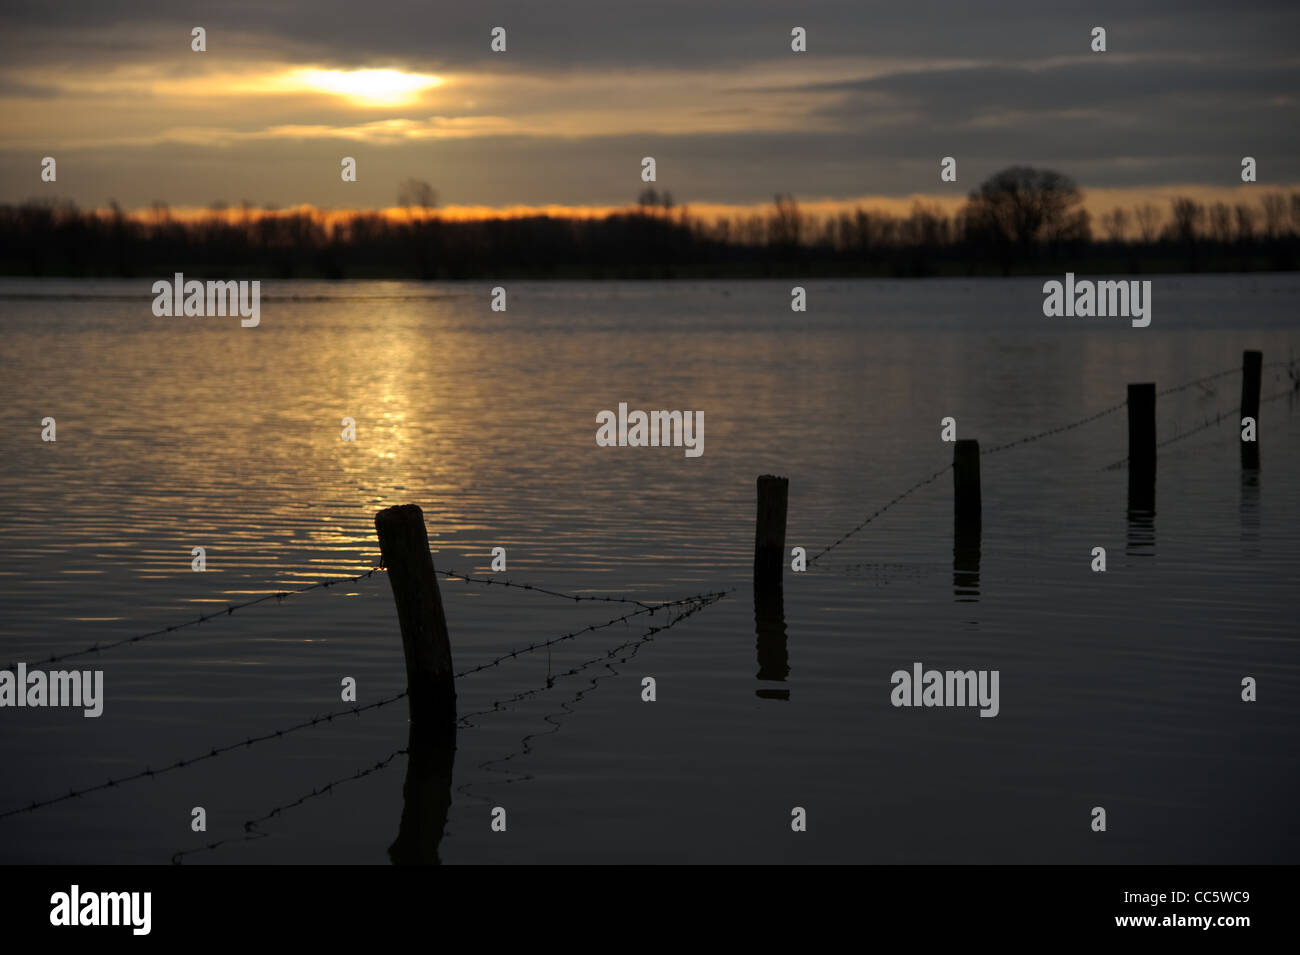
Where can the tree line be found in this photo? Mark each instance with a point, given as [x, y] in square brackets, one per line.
[1019, 221]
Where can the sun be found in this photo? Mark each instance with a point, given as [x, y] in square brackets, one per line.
[369, 87]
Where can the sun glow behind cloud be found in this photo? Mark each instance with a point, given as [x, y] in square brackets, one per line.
[364, 87]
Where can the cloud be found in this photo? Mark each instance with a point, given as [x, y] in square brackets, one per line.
[587, 88]
[560, 34]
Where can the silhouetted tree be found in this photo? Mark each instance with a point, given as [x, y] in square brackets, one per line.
[1115, 223]
[786, 225]
[1187, 216]
[1023, 205]
[416, 193]
[1274, 206]
[1221, 223]
[1245, 216]
[1148, 220]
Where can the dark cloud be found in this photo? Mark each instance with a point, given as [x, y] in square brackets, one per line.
[1125, 88]
[16, 88]
[681, 33]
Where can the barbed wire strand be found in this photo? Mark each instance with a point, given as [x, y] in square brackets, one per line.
[1065, 427]
[250, 826]
[204, 618]
[880, 510]
[704, 598]
[1291, 365]
[541, 590]
[357, 710]
[281, 595]
[1219, 417]
[631, 648]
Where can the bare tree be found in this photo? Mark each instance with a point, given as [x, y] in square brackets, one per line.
[1221, 223]
[787, 222]
[1188, 216]
[1023, 205]
[1245, 222]
[1274, 205]
[1148, 220]
[1115, 223]
[418, 194]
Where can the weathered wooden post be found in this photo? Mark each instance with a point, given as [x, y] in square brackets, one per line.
[967, 508]
[769, 529]
[1252, 367]
[404, 550]
[769, 596]
[1142, 447]
[967, 519]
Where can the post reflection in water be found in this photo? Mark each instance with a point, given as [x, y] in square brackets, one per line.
[769, 624]
[966, 560]
[1250, 507]
[1141, 512]
[426, 795]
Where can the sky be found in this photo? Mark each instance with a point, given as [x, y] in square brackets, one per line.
[587, 88]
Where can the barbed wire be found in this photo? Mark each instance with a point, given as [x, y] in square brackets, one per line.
[1123, 404]
[203, 618]
[451, 574]
[279, 597]
[1290, 364]
[1219, 417]
[1199, 381]
[250, 826]
[632, 648]
[1043, 434]
[357, 710]
[706, 600]
[880, 510]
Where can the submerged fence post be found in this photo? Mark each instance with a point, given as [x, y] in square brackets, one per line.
[769, 528]
[1142, 427]
[1252, 366]
[404, 548]
[967, 509]
[1142, 446]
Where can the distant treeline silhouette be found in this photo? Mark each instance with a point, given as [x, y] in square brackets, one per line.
[1020, 220]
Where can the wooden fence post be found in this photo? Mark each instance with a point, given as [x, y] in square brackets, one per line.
[966, 497]
[404, 549]
[769, 529]
[1252, 367]
[1142, 427]
[1142, 447]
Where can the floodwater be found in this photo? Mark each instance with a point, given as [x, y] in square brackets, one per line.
[1120, 690]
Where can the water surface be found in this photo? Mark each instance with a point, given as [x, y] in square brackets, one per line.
[1119, 689]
